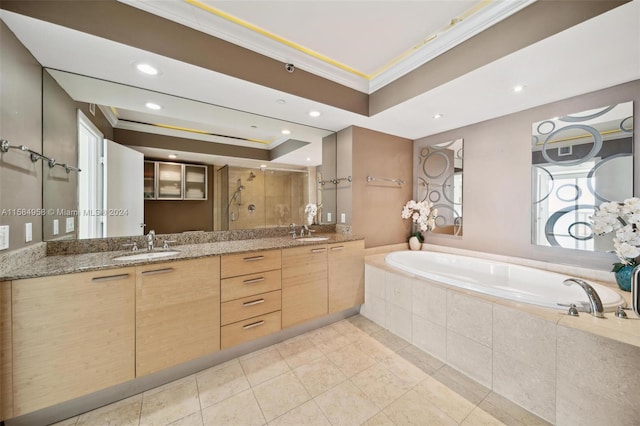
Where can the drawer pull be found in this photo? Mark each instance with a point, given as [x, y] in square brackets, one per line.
[158, 271]
[253, 302]
[110, 278]
[337, 248]
[251, 259]
[319, 250]
[255, 324]
[253, 280]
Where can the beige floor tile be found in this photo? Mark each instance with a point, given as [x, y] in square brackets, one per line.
[221, 382]
[379, 419]
[425, 362]
[319, 376]
[405, 370]
[68, 422]
[412, 409]
[390, 340]
[241, 409]
[350, 360]
[194, 419]
[345, 404]
[171, 403]
[322, 335]
[125, 412]
[267, 365]
[452, 404]
[333, 344]
[479, 417]
[373, 348]
[364, 324]
[466, 387]
[280, 394]
[509, 413]
[307, 414]
[380, 385]
[348, 330]
[298, 351]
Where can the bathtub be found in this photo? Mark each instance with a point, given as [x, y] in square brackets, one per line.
[504, 280]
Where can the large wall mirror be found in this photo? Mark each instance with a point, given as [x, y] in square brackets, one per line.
[579, 161]
[238, 170]
[439, 181]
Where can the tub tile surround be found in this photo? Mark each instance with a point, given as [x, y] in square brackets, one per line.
[552, 364]
[406, 386]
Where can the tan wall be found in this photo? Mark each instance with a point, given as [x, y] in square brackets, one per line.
[20, 124]
[376, 206]
[497, 180]
[59, 141]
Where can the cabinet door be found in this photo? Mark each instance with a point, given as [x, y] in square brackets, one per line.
[6, 359]
[169, 181]
[195, 182]
[72, 335]
[177, 313]
[304, 284]
[346, 275]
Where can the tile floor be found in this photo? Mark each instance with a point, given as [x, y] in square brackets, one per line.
[351, 372]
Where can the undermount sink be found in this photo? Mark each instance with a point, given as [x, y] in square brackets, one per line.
[310, 239]
[147, 255]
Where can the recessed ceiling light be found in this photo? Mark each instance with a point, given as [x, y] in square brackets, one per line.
[286, 132]
[314, 113]
[172, 156]
[147, 69]
[153, 106]
[308, 159]
[518, 88]
[281, 101]
[436, 116]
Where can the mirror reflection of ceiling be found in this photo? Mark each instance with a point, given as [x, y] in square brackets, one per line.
[125, 107]
[564, 69]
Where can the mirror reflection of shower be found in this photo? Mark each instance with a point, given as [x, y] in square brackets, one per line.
[233, 207]
[262, 198]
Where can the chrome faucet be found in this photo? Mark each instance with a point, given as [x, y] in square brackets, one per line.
[595, 304]
[292, 230]
[304, 228]
[635, 291]
[151, 236]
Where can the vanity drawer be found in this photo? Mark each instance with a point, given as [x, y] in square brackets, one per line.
[249, 263]
[253, 328]
[248, 307]
[249, 285]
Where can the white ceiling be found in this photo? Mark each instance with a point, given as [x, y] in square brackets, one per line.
[596, 54]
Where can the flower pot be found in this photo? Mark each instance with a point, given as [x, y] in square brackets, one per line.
[414, 243]
[623, 277]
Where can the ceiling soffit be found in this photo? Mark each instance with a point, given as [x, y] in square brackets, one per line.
[119, 22]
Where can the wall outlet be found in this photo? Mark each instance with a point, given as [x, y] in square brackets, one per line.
[328, 217]
[4, 237]
[56, 226]
[28, 232]
[343, 218]
[70, 224]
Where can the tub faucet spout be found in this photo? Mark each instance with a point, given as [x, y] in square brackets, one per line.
[597, 310]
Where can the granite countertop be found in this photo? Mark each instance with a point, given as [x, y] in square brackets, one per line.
[67, 264]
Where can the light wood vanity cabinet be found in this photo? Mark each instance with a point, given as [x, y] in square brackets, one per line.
[177, 313]
[72, 335]
[304, 284]
[251, 296]
[6, 368]
[346, 275]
